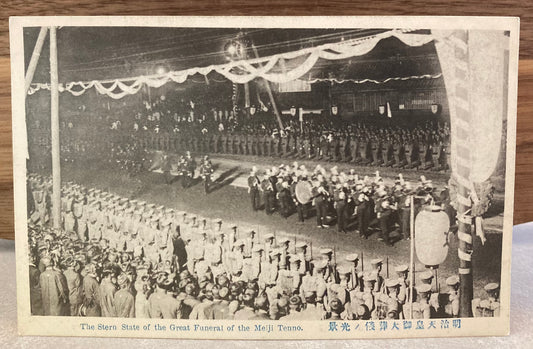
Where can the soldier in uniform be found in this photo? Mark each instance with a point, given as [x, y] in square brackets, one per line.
[340, 204]
[321, 197]
[253, 189]
[343, 147]
[206, 171]
[276, 144]
[268, 140]
[422, 308]
[190, 167]
[74, 280]
[452, 308]
[355, 275]
[377, 265]
[216, 140]
[124, 299]
[268, 193]
[488, 307]
[224, 142]
[162, 305]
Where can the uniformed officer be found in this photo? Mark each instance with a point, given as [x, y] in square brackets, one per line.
[253, 189]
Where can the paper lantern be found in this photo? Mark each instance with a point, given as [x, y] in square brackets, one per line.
[431, 235]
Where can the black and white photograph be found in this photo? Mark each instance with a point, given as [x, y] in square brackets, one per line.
[358, 179]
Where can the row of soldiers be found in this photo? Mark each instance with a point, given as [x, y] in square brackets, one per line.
[416, 148]
[345, 198]
[423, 147]
[133, 259]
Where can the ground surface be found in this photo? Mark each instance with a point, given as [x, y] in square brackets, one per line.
[229, 201]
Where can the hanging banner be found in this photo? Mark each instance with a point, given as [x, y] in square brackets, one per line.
[248, 70]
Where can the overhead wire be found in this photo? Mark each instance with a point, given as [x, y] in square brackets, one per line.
[206, 55]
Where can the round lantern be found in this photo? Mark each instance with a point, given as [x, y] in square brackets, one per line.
[431, 235]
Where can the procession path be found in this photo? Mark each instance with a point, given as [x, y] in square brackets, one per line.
[229, 201]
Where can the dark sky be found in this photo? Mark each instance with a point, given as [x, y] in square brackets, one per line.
[87, 53]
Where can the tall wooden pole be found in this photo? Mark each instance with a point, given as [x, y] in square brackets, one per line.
[412, 253]
[270, 95]
[35, 58]
[54, 126]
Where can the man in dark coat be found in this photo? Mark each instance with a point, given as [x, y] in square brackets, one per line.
[124, 300]
[54, 291]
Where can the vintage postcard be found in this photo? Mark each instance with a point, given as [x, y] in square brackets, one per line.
[264, 177]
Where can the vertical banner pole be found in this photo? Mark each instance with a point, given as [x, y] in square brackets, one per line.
[35, 58]
[54, 114]
[412, 253]
[270, 95]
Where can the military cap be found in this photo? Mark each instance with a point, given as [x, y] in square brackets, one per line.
[376, 261]
[369, 277]
[301, 244]
[268, 236]
[424, 288]
[402, 268]
[223, 292]
[294, 259]
[257, 248]
[239, 243]
[166, 222]
[426, 276]
[122, 279]
[452, 280]
[335, 305]
[169, 210]
[295, 300]
[275, 252]
[233, 226]
[352, 257]
[326, 251]
[283, 302]
[283, 240]
[250, 232]
[320, 264]
[491, 287]
[217, 220]
[485, 303]
[68, 261]
[344, 269]
[392, 283]
[150, 205]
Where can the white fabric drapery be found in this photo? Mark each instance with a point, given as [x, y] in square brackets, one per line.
[248, 69]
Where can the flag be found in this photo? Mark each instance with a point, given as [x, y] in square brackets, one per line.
[389, 113]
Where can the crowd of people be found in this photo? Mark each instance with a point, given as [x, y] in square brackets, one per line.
[118, 257]
[345, 198]
[125, 135]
